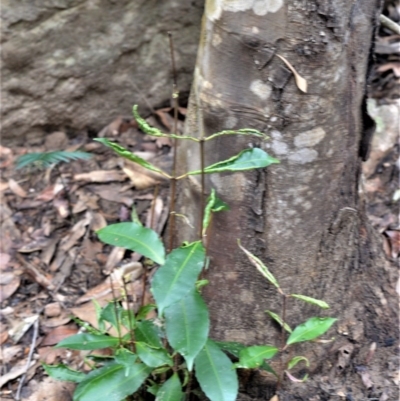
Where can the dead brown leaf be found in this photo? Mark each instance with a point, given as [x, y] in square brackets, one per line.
[113, 259]
[112, 194]
[58, 334]
[16, 371]
[4, 259]
[394, 239]
[7, 289]
[101, 176]
[395, 66]
[98, 222]
[54, 390]
[300, 81]
[77, 232]
[16, 188]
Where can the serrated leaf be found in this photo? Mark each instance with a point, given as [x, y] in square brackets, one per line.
[153, 357]
[231, 347]
[294, 361]
[260, 266]
[47, 159]
[63, 372]
[171, 390]
[126, 154]
[146, 331]
[88, 341]
[247, 159]
[278, 319]
[111, 383]
[313, 301]
[178, 275]
[187, 326]
[136, 238]
[253, 356]
[215, 374]
[312, 328]
[152, 131]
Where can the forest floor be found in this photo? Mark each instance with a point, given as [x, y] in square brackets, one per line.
[53, 265]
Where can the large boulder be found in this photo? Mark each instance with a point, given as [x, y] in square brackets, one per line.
[77, 64]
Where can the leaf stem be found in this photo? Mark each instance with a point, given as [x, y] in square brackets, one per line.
[175, 97]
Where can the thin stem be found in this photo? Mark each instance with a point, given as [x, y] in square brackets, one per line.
[280, 379]
[131, 332]
[116, 311]
[202, 192]
[175, 97]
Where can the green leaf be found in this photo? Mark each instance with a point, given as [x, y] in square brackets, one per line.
[216, 374]
[144, 311]
[127, 318]
[260, 266]
[321, 304]
[153, 357]
[149, 130]
[111, 382]
[278, 319]
[136, 238]
[267, 367]
[312, 328]
[110, 314]
[247, 159]
[126, 358]
[253, 357]
[178, 275]
[47, 159]
[63, 372]
[126, 154]
[146, 331]
[294, 361]
[231, 347]
[187, 325]
[214, 204]
[171, 390]
[88, 341]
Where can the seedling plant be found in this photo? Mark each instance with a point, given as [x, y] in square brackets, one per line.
[166, 356]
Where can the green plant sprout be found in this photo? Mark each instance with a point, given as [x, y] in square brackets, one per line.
[43, 160]
[167, 355]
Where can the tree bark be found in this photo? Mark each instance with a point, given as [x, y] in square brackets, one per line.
[304, 217]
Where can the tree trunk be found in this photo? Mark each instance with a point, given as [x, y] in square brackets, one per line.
[303, 217]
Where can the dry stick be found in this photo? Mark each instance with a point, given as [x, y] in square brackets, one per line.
[30, 355]
[388, 23]
[175, 96]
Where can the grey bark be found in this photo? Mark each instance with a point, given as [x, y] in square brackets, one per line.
[304, 218]
[78, 64]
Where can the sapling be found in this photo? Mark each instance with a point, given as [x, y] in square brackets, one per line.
[160, 356]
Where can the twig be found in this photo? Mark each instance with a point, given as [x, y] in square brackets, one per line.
[388, 23]
[30, 355]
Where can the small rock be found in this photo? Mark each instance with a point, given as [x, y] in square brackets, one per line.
[56, 141]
